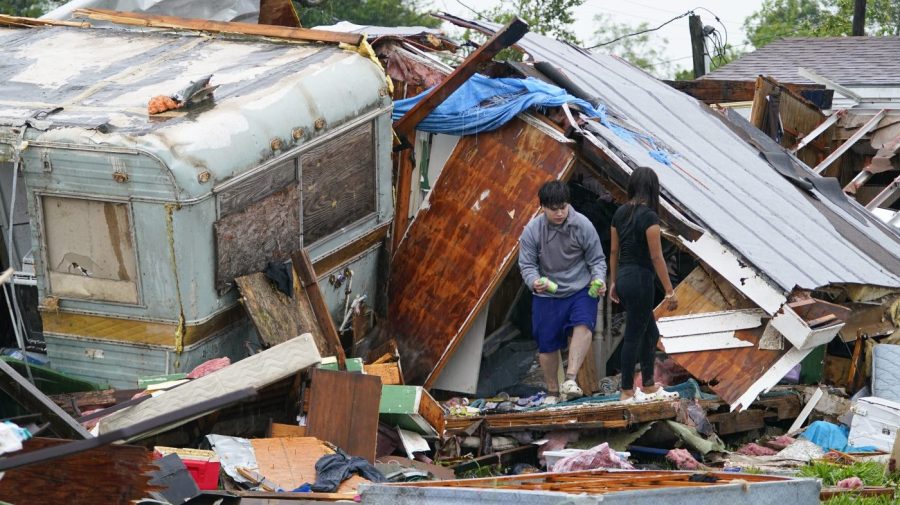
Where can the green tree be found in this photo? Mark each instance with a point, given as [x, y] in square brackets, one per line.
[547, 17]
[818, 18]
[642, 49]
[27, 8]
[368, 12]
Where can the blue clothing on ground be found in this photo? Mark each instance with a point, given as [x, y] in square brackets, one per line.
[830, 436]
[552, 319]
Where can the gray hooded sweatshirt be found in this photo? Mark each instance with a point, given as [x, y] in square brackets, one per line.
[569, 254]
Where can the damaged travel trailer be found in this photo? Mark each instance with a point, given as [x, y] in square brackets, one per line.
[137, 225]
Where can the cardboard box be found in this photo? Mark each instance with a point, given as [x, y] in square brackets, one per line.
[875, 422]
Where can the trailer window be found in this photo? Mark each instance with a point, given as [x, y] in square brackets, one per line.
[89, 250]
[338, 179]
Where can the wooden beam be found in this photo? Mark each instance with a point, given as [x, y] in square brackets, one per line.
[715, 90]
[405, 167]
[19, 22]
[310, 283]
[204, 25]
[30, 397]
[503, 38]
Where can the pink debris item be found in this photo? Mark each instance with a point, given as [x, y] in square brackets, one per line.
[601, 456]
[209, 367]
[683, 459]
[851, 483]
[752, 449]
[781, 442]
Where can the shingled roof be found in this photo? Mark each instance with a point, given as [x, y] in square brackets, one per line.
[860, 61]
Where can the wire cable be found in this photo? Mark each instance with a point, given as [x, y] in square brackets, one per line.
[688, 13]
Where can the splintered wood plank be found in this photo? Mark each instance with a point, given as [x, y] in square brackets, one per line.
[109, 474]
[729, 372]
[463, 241]
[291, 462]
[343, 410]
[278, 317]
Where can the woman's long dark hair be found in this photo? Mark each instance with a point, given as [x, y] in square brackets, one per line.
[643, 189]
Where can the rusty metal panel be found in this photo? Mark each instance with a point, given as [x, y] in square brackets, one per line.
[464, 239]
[338, 180]
[265, 231]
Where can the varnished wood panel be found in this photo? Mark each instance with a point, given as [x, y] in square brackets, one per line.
[343, 410]
[108, 474]
[266, 231]
[278, 317]
[338, 179]
[729, 372]
[465, 238]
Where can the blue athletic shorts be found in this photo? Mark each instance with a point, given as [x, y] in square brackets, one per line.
[552, 319]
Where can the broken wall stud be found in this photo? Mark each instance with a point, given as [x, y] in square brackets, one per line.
[203, 177]
[297, 133]
[320, 123]
[120, 177]
[276, 144]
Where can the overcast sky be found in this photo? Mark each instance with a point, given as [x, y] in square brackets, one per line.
[678, 50]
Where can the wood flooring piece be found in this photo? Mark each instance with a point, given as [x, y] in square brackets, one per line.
[343, 410]
[291, 462]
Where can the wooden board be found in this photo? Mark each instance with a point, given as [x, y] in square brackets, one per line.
[278, 317]
[265, 231]
[729, 372]
[291, 462]
[343, 410]
[463, 241]
[109, 474]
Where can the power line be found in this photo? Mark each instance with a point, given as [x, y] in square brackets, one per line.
[688, 13]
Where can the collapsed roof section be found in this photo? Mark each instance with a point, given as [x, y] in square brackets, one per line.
[765, 237]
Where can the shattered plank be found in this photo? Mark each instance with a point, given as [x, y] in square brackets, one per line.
[280, 32]
[277, 317]
[469, 229]
[310, 284]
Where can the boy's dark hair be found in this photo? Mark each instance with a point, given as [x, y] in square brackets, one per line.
[554, 193]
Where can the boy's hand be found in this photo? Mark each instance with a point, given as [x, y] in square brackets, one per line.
[597, 288]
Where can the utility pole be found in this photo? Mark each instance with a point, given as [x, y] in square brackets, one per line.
[859, 18]
[698, 48]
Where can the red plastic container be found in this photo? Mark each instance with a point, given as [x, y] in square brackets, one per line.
[205, 473]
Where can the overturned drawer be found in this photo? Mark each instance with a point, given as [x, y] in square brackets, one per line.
[810, 323]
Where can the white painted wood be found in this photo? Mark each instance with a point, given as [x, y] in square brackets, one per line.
[807, 410]
[461, 372]
[774, 374]
[798, 332]
[703, 342]
[771, 339]
[710, 322]
[744, 278]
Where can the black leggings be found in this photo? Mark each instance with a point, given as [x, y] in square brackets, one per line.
[636, 290]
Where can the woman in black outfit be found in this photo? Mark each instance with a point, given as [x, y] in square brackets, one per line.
[635, 254]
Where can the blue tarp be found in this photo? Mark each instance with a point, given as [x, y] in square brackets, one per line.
[830, 436]
[483, 104]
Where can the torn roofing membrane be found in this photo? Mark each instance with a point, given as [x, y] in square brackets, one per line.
[715, 176]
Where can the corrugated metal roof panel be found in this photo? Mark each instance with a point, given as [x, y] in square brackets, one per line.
[718, 178]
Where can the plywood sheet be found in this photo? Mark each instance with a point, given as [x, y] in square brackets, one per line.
[729, 372]
[464, 239]
[291, 462]
[278, 317]
[343, 410]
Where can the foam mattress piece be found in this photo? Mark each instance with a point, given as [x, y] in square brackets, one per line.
[259, 370]
[886, 372]
[875, 422]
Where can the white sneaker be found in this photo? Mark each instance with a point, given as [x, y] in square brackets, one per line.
[570, 390]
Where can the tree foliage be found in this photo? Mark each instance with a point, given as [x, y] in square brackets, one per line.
[547, 17]
[818, 18]
[643, 50]
[368, 12]
[27, 8]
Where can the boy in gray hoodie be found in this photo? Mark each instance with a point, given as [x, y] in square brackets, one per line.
[562, 262]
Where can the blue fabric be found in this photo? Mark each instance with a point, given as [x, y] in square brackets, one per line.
[483, 104]
[553, 318]
[830, 436]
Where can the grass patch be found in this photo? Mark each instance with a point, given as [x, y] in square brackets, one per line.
[852, 499]
[870, 472]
